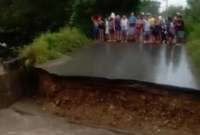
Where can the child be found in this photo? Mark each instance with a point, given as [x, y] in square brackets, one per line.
[124, 28]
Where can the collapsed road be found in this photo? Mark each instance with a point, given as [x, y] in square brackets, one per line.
[159, 64]
[135, 107]
[113, 89]
[148, 89]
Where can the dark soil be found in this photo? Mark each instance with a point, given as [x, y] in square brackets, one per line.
[137, 108]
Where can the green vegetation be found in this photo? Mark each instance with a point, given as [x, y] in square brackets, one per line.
[193, 31]
[50, 45]
[148, 6]
[194, 50]
[193, 46]
[172, 11]
[23, 20]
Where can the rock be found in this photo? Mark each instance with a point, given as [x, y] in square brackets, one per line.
[165, 122]
[130, 118]
[58, 102]
[111, 107]
[143, 97]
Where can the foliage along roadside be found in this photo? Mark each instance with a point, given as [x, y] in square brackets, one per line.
[193, 48]
[193, 32]
[49, 46]
[22, 20]
[193, 44]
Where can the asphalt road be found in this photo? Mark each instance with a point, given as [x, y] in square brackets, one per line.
[160, 64]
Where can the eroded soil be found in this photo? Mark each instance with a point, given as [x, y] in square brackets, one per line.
[135, 108]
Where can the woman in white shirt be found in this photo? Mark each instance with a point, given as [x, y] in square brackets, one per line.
[124, 28]
[107, 33]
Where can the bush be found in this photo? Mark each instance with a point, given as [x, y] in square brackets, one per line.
[194, 51]
[50, 46]
[195, 34]
[193, 44]
[192, 22]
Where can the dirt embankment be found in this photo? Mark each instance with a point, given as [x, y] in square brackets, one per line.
[137, 108]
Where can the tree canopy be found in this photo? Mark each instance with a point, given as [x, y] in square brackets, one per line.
[22, 20]
[148, 6]
[173, 10]
[194, 10]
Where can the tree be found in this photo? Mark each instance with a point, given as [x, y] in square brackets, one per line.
[173, 10]
[193, 10]
[148, 6]
[82, 10]
[22, 20]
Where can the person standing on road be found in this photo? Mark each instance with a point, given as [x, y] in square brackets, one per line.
[179, 27]
[170, 31]
[112, 28]
[139, 29]
[101, 28]
[163, 31]
[147, 30]
[124, 29]
[157, 31]
[118, 27]
[95, 30]
[132, 22]
[152, 22]
[107, 33]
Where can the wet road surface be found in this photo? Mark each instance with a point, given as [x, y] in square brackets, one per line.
[160, 64]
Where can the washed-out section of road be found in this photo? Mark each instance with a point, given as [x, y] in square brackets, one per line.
[159, 64]
[27, 118]
[138, 108]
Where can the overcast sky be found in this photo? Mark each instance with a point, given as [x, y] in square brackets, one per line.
[173, 2]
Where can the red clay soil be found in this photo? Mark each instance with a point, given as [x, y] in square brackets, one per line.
[137, 108]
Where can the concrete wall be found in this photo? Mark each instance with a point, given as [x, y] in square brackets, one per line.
[12, 86]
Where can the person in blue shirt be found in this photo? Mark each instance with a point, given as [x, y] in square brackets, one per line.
[132, 21]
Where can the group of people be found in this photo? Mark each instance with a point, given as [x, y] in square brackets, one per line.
[144, 28]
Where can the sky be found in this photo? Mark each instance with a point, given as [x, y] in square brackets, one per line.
[173, 2]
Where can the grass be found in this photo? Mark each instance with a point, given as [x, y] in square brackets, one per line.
[49, 46]
[193, 45]
[193, 48]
